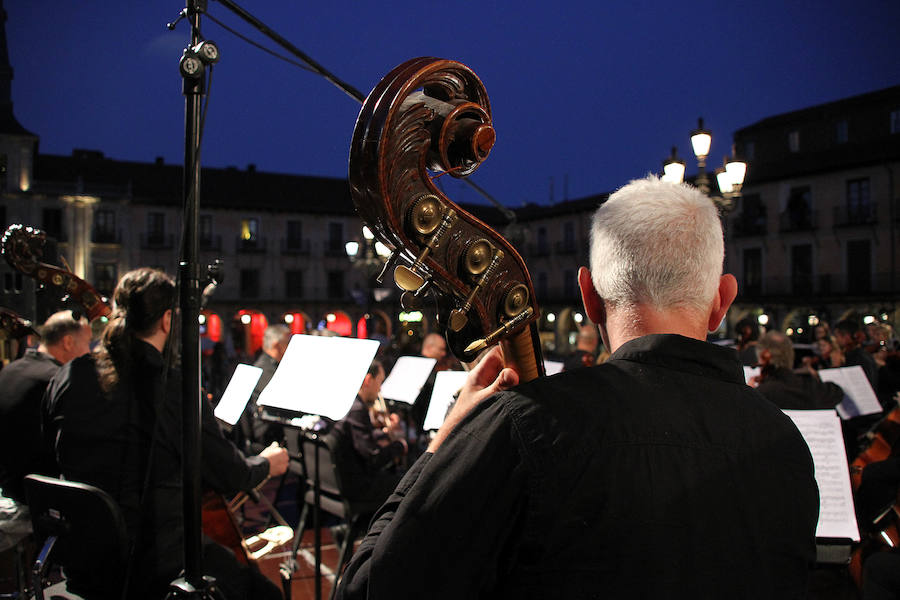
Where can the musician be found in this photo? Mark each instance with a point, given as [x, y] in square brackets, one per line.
[788, 389]
[877, 493]
[116, 419]
[274, 344]
[846, 333]
[23, 450]
[657, 474]
[371, 446]
[585, 354]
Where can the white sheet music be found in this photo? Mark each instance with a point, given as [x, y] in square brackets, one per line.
[822, 431]
[319, 375]
[552, 367]
[750, 372]
[859, 398]
[234, 400]
[407, 378]
[446, 384]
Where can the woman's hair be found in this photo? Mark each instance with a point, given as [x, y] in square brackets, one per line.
[141, 298]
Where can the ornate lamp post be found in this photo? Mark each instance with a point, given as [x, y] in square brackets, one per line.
[730, 177]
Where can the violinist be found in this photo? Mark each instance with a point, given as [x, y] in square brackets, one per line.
[847, 334]
[115, 418]
[658, 474]
[370, 443]
[877, 493]
[787, 388]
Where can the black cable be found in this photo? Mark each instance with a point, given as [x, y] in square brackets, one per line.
[260, 46]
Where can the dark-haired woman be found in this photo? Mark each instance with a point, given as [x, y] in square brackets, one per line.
[115, 415]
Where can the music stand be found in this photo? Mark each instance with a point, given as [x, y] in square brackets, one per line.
[317, 376]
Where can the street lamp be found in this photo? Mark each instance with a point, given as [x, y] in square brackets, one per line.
[729, 178]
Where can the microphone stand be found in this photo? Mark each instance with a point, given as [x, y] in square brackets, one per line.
[192, 584]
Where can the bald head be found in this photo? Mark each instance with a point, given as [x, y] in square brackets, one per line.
[64, 337]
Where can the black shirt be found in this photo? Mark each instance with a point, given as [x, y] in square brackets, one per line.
[789, 390]
[23, 449]
[657, 474]
[105, 439]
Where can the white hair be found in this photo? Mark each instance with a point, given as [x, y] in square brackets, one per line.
[274, 334]
[659, 244]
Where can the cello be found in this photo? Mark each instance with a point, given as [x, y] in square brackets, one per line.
[428, 117]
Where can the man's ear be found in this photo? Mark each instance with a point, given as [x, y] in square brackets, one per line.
[166, 323]
[725, 295]
[593, 303]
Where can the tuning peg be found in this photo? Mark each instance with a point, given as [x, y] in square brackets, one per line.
[474, 263]
[426, 217]
[479, 345]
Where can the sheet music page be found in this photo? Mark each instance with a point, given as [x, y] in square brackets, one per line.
[552, 367]
[446, 384]
[859, 397]
[237, 394]
[319, 375]
[407, 378]
[750, 372]
[822, 431]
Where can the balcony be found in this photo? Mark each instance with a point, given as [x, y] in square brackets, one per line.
[157, 241]
[810, 286]
[850, 216]
[255, 245]
[105, 236]
[295, 246]
[798, 220]
[335, 248]
[539, 249]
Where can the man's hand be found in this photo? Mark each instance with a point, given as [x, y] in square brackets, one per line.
[278, 459]
[487, 378]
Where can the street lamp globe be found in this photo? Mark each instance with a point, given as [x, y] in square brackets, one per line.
[701, 139]
[673, 168]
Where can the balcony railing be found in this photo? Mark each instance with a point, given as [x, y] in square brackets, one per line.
[332, 248]
[294, 246]
[822, 284]
[539, 249]
[256, 245]
[802, 220]
[848, 216]
[157, 241]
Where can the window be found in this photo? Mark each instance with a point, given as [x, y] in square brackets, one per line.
[569, 284]
[541, 285]
[335, 284]
[749, 150]
[752, 220]
[801, 270]
[249, 283]
[541, 241]
[250, 230]
[840, 132]
[294, 233]
[12, 283]
[752, 280]
[156, 225]
[895, 121]
[798, 216]
[106, 275]
[859, 266]
[568, 241]
[335, 242]
[859, 202]
[205, 227]
[293, 284]
[52, 223]
[104, 226]
[794, 141]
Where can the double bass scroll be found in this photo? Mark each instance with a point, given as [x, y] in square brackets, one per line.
[428, 116]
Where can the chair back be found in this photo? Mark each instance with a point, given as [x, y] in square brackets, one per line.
[89, 527]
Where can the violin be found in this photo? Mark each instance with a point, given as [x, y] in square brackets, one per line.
[426, 118]
[22, 247]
